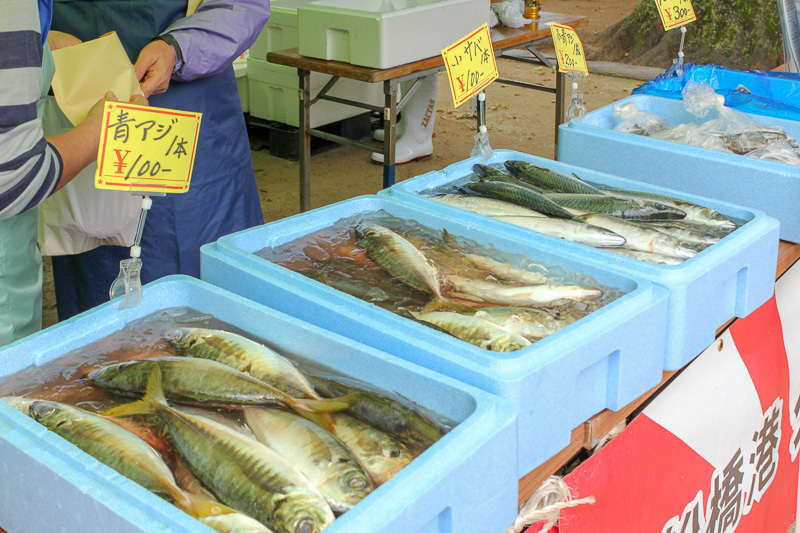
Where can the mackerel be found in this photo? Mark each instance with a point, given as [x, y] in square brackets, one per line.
[487, 173]
[520, 196]
[478, 331]
[549, 180]
[626, 208]
[486, 206]
[642, 238]
[694, 213]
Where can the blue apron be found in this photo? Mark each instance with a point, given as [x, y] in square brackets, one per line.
[223, 197]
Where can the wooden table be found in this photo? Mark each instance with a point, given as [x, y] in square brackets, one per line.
[502, 39]
[590, 432]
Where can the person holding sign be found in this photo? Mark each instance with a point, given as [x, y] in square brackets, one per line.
[31, 166]
[183, 63]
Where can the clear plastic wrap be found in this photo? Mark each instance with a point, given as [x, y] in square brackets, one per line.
[693, 135]
[509, 12]
[780, 151]
[634, 120]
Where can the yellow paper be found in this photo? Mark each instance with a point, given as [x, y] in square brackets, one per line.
[675, 13]
[569, 49]
[85, 72]
[470, 63]
[146, 149]
[193, 5]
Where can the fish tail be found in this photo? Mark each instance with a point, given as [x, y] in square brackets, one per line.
[199, 507]
[150, 402]
[318, 411]
[438, 303]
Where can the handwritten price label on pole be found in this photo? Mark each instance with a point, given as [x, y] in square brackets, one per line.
[470, 65]
[146, 149]
[675, 13]
[569, 49]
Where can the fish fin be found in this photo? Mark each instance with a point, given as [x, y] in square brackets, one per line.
[323, 420]
[446, 237]
[153, 397]
[199, 507]
[433, 305]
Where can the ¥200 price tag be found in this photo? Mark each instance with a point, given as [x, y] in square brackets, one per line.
[146, 149]
[470, 65]
[569, 49]
[675, 13]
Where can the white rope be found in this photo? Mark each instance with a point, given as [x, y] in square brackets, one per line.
[545, 505]
[608, 438]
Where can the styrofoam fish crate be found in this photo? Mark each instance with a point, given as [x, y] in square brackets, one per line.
[730, 279]
[604, 360]
[280, 32]
[274, 95]
[383, 34]
[768, 186]
[464, 482]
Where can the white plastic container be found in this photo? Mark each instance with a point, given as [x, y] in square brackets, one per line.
[281, 31]
[240, 70]
[385, 33]
[274, 95]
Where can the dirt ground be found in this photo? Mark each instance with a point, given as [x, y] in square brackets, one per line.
[517, 119]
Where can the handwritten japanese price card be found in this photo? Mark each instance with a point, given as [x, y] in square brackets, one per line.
[569, 49]
[675, 13]
[470, 65]
[146, 149]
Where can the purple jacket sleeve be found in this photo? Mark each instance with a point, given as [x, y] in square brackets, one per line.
[215, 35]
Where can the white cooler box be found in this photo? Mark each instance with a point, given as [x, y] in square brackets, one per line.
[280, 32]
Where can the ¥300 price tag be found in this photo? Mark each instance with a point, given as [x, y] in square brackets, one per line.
[569, 49]
[470, 65]
[146, 149]
[675, 13]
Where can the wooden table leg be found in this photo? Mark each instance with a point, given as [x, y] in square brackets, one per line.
[389, 131]
[305, 139]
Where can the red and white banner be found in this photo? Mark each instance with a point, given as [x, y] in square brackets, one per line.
[716, 451]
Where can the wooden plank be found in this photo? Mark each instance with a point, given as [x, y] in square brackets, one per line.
[502, 38]
[788, 254]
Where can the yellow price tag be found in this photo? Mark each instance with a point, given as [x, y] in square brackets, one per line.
[146, 149]
[675, 13]
[569, 49]
[470, 65]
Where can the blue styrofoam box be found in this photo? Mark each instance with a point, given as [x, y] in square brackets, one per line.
[604, 360]
[766, 92]
[464, 482]
[730, 279]
[768, 186]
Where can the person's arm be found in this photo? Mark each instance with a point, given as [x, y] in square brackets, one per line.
[202, 44]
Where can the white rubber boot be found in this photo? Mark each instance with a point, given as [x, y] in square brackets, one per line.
[419, 115]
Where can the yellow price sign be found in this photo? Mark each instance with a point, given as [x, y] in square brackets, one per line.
[569, 49]
[146, 149]
[470, 63]
[675, 13]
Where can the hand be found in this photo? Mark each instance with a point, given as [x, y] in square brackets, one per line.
[95, 115]
[58, 40]
[154, 67]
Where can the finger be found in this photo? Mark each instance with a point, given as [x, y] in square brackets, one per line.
[111, 96]
[138, 99]
[143, 63]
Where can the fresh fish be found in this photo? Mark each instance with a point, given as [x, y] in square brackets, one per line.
[486, 206]
[244, 355]
[121, 450]
[571, 230]
[475, 330]
[694, 213]
[533, 324]
[642, 238]
[235, 523]
[656, 259]
[396, 416]
[242, 472]
[685, 232]
[203, 382]
[327, 463]
[487, 173]
[626, 208]
[505, 271]
[348, 285]
[487, 292]
[520, 196]
[20, 403]
[549, 180]
[381, 454]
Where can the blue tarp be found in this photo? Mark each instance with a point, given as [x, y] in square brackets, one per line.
[775, 94]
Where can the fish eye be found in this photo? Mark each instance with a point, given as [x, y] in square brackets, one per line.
[45, 410]
[304, 526]
[357, 483]
[394, 453]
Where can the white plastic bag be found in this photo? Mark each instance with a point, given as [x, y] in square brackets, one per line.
[509, 12]
[634, 120]
[79, 217]
[693, 135]
[780, 151]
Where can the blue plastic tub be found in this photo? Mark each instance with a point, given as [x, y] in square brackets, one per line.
[604, 360]
[730, 279]
[767, 93]
[768, 186]
[464, 482]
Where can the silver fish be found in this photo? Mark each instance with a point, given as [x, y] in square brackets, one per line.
[642, 238]
[656, 259]
[486, 206]
[487, 292]
[475, 330]
[506, 271]
[694, 213]
[571, 230]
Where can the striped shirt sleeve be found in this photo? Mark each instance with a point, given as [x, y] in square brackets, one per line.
[30, 167]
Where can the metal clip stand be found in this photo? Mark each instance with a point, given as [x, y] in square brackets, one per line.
[481, 146]
[576, 108]
[128, 282]
[677, 64]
